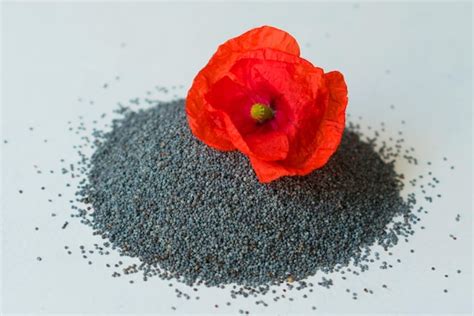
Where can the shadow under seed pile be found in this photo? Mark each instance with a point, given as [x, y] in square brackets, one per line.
[159, 194]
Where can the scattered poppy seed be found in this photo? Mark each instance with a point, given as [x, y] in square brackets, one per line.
[136, 129]
[158, 138]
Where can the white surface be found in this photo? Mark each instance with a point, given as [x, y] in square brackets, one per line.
[417, 57]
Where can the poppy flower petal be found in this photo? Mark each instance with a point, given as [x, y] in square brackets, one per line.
[265, 37]
[337, 96]
[263, 66]
[325, 142]
[267, 171]
[296, 83]
[200, 122]
[332, 126]
[330, 130]
[262, 37]
[234, 99]
[269, 146]
[272, 145]
[203, 124]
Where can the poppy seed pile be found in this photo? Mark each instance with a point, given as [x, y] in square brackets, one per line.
[192, 213]
[176, 209]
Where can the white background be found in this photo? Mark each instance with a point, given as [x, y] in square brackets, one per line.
[416, 57]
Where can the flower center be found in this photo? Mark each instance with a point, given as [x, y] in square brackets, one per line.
[261, 112]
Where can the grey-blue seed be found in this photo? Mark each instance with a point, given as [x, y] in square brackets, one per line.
[157, 194]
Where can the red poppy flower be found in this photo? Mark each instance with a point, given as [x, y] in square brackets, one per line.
[258, 96]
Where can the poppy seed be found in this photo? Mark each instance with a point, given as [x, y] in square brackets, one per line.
[152, 186]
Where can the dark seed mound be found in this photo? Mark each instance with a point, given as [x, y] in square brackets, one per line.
[160, 194]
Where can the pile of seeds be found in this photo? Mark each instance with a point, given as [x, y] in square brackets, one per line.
[199, 215]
